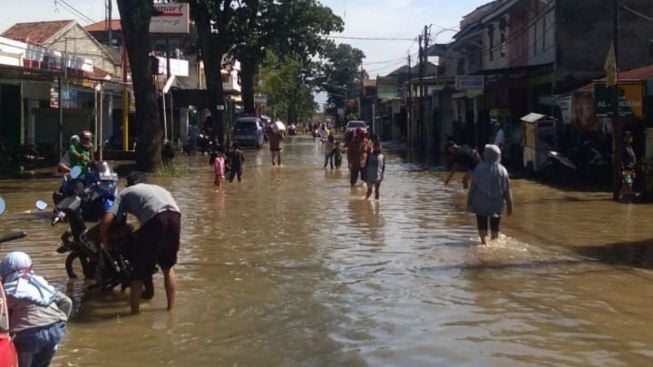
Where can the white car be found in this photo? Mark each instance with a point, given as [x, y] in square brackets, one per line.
[355, 124]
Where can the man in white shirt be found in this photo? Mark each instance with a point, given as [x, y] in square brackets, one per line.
[499, 134]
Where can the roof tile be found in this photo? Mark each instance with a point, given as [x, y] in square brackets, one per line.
[35, 32]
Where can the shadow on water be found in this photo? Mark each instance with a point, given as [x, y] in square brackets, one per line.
[638, 254]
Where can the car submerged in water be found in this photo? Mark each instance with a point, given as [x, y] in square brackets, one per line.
[249, 132]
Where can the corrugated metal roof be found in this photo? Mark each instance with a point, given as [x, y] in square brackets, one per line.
[35, 32]
[645, 73]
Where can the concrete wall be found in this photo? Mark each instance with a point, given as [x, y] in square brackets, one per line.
[495, 53]
[541, 33]
[584, 35]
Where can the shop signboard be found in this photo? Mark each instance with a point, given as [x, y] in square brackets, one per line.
[173, 18]
[470, 82]
[387, 87]
[261, 99]
[565, 109]
[631, 100]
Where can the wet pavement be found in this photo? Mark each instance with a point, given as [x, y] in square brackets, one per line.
[293, 268]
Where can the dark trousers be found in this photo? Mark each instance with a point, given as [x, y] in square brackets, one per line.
[355, 171]
[328, 158]
[233, 174]
[482, 224]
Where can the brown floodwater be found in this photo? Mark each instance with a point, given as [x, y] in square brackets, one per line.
[293, 268]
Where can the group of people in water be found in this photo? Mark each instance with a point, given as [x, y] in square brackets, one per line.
[365, 158]
[38, 313]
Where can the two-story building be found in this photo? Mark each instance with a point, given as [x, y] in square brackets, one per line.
[522, 54]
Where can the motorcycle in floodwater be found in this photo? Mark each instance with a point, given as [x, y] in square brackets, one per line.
[111, 267]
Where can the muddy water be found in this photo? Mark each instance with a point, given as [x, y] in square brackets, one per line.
[292, 268]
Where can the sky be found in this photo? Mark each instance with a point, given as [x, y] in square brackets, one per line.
[363, 18]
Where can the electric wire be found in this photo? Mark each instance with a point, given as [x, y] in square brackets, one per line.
[74, 10]
[639, 14]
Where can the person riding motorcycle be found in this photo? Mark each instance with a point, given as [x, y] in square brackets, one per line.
[80, 153]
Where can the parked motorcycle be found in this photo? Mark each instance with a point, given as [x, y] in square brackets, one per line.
[111, 267]
[585, 164]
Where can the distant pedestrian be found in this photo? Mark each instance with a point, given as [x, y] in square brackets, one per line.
[498, 135]
[337, 154]
[219, 169]
[236, 160]
[357, 152]
[489, 192]
[628, 166]
[463, 158]
[329, 147]
[37, 311]
[275, 135]
[375, 170]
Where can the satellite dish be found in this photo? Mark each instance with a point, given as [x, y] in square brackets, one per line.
[76, 172]
[3, 205]
[41, 205]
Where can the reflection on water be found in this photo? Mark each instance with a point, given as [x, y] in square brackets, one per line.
[292, 267]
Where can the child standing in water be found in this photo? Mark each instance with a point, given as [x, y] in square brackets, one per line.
[236, 160]
[328, 151]
[337, 154]
[375, 170]
[489, 192]
[218, 166]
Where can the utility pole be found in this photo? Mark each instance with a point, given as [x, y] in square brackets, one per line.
[409, 115]
[361, 95]
[616, 126]
[109, 22]
[420, 70]
[423, 60]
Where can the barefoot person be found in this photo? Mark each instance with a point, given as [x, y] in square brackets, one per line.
[489, 192]
[357, 151]
[157, 239]
[462, 158]
[375, 170]
[275, 135]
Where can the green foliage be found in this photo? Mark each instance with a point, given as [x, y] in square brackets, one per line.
[290, 93]
[340, 74]
[289, 28]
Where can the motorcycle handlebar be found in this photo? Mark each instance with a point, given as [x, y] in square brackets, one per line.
[12, 236]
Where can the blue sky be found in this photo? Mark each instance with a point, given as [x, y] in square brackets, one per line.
[363, 18]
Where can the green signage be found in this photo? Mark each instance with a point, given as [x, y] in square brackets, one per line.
[630, 100]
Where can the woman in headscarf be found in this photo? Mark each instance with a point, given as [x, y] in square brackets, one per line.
[489, 192]
[37, 311]
[357, 152]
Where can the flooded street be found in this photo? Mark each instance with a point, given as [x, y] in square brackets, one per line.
[293, 268]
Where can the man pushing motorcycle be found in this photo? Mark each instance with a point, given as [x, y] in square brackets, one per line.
[156, 240]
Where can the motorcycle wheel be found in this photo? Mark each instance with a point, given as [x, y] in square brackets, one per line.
[87, 269]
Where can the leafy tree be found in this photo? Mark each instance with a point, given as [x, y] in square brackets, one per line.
[214, 20]
[290, 28]
[340, 76]
[287, 83]
[135, 18]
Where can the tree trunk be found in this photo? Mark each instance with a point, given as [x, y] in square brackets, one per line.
[135, 21]
[212, 53]
[247, 74]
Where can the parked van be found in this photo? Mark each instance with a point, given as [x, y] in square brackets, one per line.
[249, 131]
